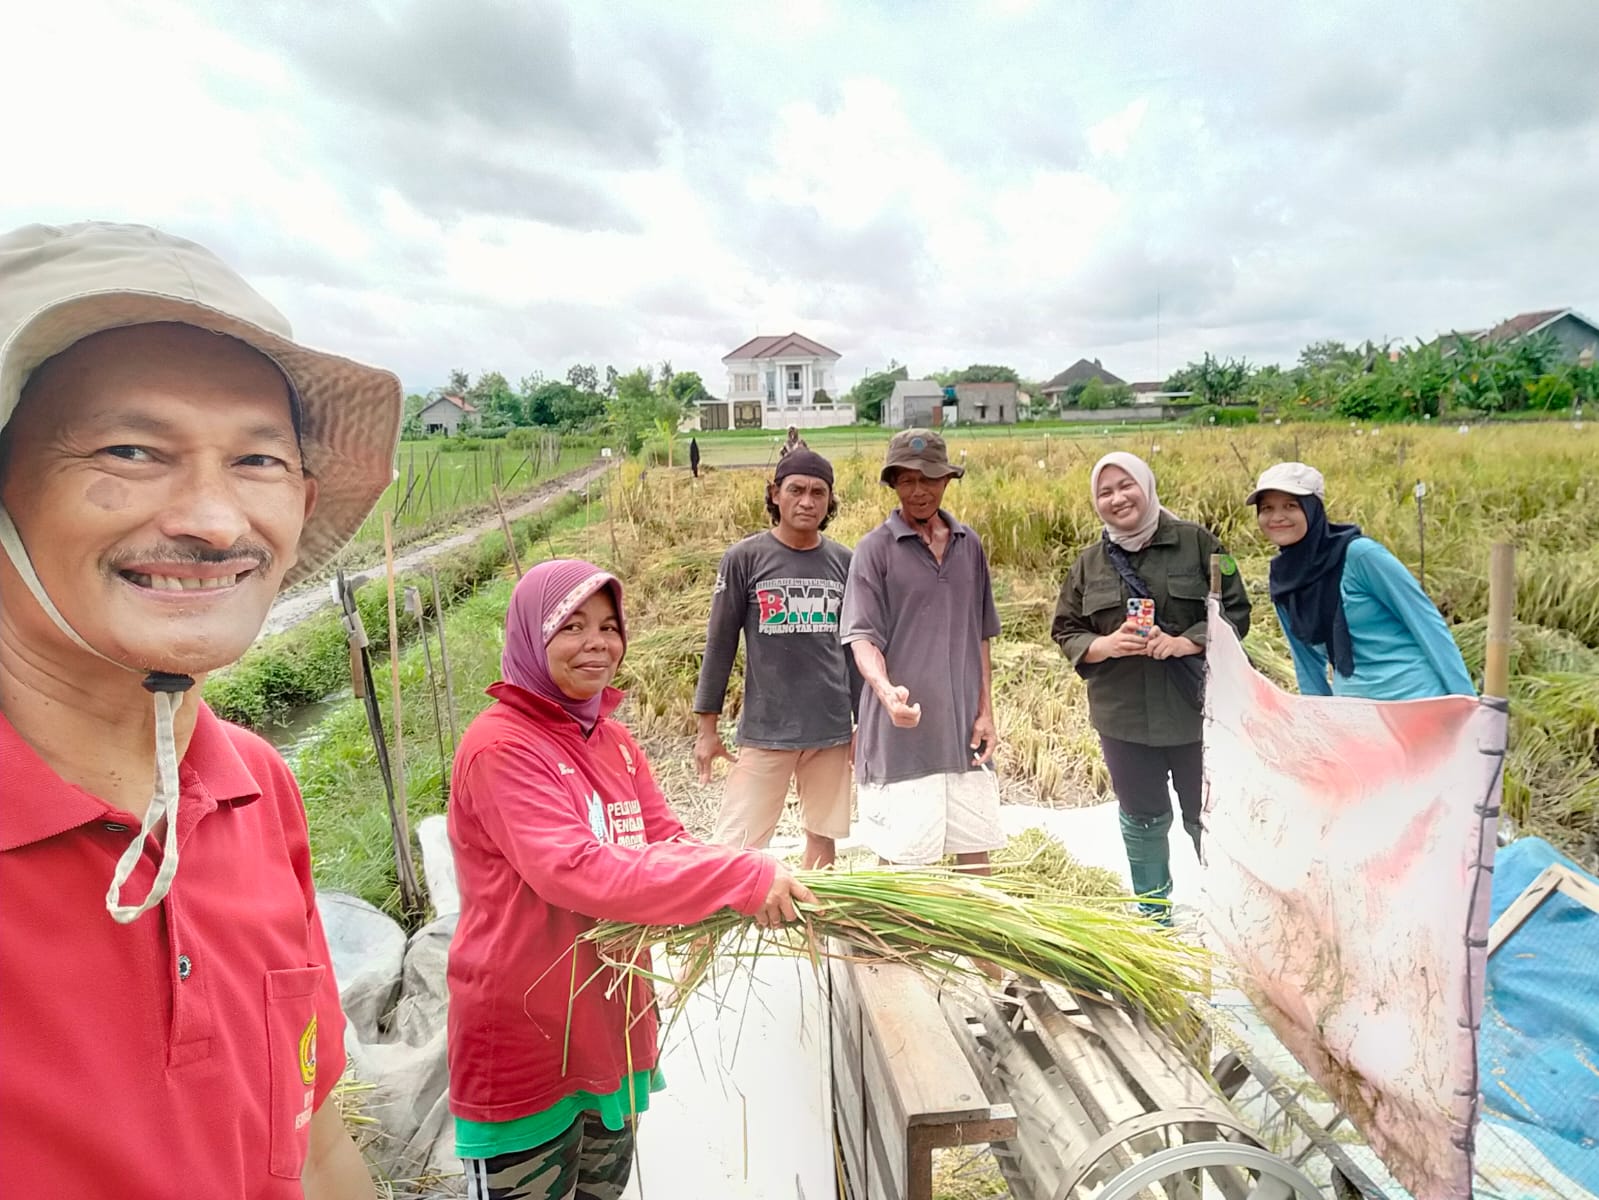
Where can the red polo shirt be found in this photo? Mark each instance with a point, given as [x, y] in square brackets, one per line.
[181, 1055]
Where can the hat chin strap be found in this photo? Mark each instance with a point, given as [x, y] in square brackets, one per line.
[167, 694]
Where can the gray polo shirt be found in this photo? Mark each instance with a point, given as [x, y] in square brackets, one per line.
[798, 679]
[930, 620]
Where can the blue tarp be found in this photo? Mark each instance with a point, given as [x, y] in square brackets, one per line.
[1539, 1050]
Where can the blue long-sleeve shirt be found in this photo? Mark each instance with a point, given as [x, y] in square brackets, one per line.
[1403, 650]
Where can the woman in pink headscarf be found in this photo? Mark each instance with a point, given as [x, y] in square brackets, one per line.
[556, 823]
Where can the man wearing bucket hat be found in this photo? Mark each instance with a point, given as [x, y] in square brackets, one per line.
[169, 458]
[918, 616]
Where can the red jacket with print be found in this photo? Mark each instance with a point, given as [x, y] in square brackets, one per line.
[552, 831]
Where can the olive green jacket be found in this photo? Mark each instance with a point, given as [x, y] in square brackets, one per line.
[1136, 699]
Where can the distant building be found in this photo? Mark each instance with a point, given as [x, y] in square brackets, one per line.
[986, 403]
[1572, 331]
[1154, 392]
[1081, 371]
[787, 379]
[446, 415]
[915, 404]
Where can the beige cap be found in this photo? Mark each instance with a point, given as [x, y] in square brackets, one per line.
[1295, 478]
[60, 284]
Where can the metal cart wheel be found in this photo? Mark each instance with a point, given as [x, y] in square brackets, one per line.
[1278, 1180]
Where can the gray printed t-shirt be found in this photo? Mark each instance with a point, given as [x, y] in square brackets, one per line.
[799, 680]
[930, 620]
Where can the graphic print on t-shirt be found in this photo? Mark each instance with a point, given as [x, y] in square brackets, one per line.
[799, 605]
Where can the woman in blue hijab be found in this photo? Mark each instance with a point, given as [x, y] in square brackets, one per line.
[1357, 621]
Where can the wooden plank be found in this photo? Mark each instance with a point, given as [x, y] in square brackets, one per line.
[1556, 877]
[887, 1131]
[849, 1102]
[900, 1014]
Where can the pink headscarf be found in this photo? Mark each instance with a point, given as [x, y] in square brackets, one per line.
[546, 596]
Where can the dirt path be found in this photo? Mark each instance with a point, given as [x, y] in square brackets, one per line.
[307, 601]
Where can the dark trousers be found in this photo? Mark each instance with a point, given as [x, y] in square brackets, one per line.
[1139, 775]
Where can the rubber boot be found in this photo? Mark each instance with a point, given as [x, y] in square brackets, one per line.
[1149, 862]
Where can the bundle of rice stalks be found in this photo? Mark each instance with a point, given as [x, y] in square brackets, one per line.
[940, 922]
[1035, 859]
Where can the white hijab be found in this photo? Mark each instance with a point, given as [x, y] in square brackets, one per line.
[1135, 539]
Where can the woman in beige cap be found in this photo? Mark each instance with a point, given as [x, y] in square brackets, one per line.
[1358, 623]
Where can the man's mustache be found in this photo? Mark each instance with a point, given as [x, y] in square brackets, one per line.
[198, 555]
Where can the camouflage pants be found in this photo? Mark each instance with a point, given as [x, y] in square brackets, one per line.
[587, 1162]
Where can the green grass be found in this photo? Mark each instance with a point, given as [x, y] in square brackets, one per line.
[442, 482]
[758, 447]
[311, 661]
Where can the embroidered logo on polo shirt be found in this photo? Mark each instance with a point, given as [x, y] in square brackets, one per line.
[564, 769]
[308, 1054]
[627, 758]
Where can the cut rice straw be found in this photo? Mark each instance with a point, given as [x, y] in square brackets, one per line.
[941, 921]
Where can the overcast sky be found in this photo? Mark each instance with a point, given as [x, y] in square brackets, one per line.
[528, 184]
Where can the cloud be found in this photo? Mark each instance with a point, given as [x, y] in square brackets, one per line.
[509, 185]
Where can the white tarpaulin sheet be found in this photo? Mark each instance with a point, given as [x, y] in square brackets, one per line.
[1349, 847]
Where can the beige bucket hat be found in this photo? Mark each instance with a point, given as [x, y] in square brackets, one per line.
[60, 284]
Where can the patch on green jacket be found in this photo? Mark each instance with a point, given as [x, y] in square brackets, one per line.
[1228, 566]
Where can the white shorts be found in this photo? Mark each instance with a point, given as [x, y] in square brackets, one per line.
[916, 822]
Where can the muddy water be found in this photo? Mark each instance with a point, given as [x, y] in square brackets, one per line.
[300, 726]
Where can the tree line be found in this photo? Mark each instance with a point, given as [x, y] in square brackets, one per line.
[628, 407]
[1365, 382]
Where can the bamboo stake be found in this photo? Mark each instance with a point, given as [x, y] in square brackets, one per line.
[413, 605]
[610, 522]
[1501, 608]
[1421, 531]
[444, 657]
[505, 526]
[404, 865]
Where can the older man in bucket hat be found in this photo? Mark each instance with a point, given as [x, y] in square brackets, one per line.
[918, 616]
[169, 458]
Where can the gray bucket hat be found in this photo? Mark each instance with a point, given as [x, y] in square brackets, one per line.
[918, 450]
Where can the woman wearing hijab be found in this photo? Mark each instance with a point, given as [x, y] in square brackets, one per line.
[556, 822]
[1144, 682]
[1345, 602]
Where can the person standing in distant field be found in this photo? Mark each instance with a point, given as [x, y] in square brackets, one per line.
[694, 456]
[784, 590]
[919, 616]
[794, 442]
[1348, 604]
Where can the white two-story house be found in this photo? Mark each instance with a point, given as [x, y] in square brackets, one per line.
[774, 381]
